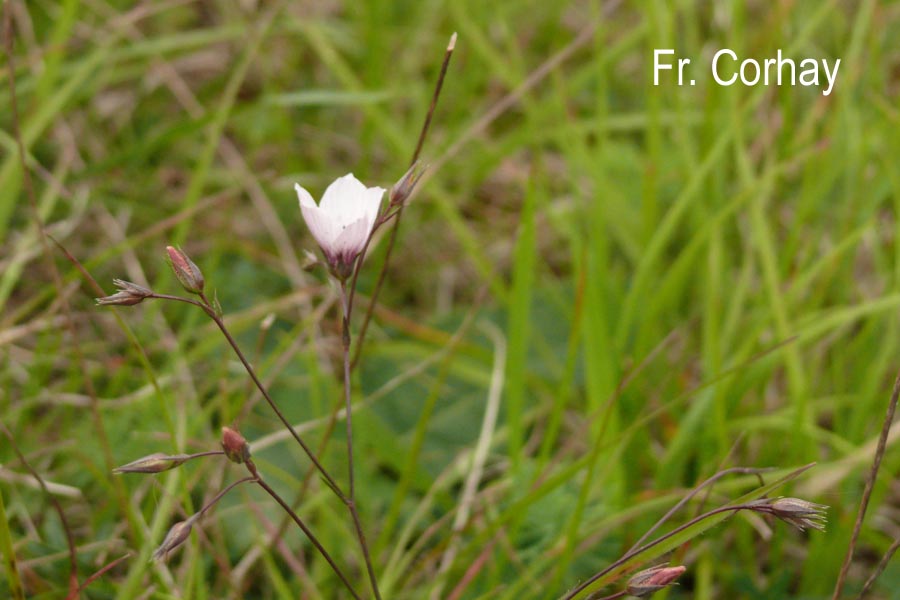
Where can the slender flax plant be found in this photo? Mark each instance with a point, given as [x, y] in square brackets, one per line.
[343, 224]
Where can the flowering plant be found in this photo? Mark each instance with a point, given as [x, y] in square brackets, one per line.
[342, 222]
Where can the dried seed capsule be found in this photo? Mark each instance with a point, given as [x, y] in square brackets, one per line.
[129, 294]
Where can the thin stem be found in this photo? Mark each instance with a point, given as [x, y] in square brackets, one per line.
[219, 496]
[156, 296]
[386, 216]
[632, 553]
[351, 505]
[309, 534]
[882, 564]
[207, 453]
[870, 485]
[691, 494]
[96, 575]
[434, 99]
[307, 477]
[399, 212]
[348, 405]
[207, 308]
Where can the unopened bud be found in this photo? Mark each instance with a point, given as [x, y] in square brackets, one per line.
[155, 463]
[644, 583]
[186, 271]
[129, 294]
[176, 536]
[403, 189]
[236, 447]
[802, 514]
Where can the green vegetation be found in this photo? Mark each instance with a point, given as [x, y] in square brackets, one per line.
[654, 282]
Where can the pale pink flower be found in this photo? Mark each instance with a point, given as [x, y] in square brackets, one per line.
[342, 221]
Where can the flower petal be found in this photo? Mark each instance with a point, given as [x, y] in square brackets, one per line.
[305, 197]
[320, 226]
[372, 202]
[350, 241]
[344, 199]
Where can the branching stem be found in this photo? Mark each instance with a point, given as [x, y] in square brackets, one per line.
[257, 478]
[208, 309]
[348, 500]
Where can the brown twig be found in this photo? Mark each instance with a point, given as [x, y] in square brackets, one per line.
[870, 485]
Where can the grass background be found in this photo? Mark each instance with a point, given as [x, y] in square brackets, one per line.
[665, 281]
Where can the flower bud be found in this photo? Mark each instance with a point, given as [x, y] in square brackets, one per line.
[403, 189]
[129, 294]
[644, 583]
[154, 463]
[236, 447]
[176, 536]
[186, 271]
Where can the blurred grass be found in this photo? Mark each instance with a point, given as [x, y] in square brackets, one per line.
[685, 278]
